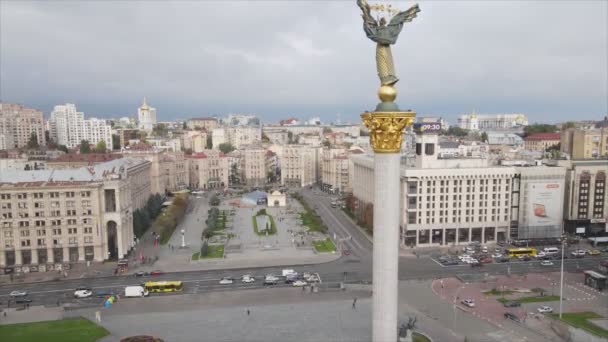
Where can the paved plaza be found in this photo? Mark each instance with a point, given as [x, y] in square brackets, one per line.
[246, 249]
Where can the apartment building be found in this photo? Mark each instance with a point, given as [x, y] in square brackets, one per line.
[68, 127]
[253, 165]
[335, 166]
[585, 144]
[202, 124]
[52, 217]
[238, 136]
[492, 122]
[541, 141]
[17, 123]
[299, 165]
[208, 170]
[195, 141]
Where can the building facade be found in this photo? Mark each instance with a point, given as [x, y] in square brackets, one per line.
[586, 207]
[253, 165]
[299, 165]
[492, 122]
[208, 170]
[52, 217]
[68, 127]
[17, 123]
[335, 166]
[541, 141]
[585, 144]
[202, 123]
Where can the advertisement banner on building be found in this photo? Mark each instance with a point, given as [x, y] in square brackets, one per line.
[544, 204]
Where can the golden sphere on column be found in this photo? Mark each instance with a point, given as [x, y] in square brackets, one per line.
[387, 93]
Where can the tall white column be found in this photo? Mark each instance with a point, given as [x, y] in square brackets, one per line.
[386, 247]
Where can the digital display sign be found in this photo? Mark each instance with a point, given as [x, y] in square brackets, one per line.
[427, 127]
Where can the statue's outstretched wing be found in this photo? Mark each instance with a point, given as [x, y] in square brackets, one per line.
[368, 20]
[405, 16]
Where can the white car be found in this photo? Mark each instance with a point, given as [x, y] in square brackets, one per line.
[226, 281]
[468, 302]
[497, 256]
[546, 263]
[83, 293]
[248, 279]
[18, 293]
[545, 309]
[580, 252]
[299, 283]
[271, 277]
[540, 254]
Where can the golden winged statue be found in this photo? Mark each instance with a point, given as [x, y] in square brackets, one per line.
[385, 35]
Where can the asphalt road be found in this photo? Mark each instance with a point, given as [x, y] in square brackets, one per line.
[357, 266]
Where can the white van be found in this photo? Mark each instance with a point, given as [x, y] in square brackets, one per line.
[136, 291]
[551, 250]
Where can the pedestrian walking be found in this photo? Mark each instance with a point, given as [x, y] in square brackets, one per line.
[354, 303]
[248, 312]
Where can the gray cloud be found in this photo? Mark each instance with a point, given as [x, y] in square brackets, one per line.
[548, 59]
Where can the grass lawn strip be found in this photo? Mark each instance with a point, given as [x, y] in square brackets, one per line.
[215, 251]
[67, 330]
[581, 320]
[324, 246]
[533, 299]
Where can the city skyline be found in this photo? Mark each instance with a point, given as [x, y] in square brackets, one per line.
[281, 59]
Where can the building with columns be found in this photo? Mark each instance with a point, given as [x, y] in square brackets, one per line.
[492, 122]
[52, 217]
[208, 170]
[299, 165]
[253, 166]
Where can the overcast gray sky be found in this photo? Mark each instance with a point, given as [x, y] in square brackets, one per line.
[547, 59]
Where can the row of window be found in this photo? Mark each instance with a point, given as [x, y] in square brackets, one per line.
[40, 205]
[42, 242]
[411, 219]
[42, 232]
[55, 194]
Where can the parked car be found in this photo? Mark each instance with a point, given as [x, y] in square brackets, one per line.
[476, 264]
[511, 304]
[226, 281]
[468, 302]
[497, 255]
[486, 260]
[503, 259]
[156, 273]
[18, 293]
[546, 263]
[141, 274]
[450, 263]
[545, 309]
[512, 317]
[594, 252]
[299, 283]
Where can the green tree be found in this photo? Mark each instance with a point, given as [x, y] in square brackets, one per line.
[101, 146]
[214, 200]
[33, 142]
[209, 141]
[226, 147]
[85, 147]
[484, 137]
[457, 131]
[326, 143]
[185, 125]
[539, 128]
[205, 249]
[115, 142]
[63, 148]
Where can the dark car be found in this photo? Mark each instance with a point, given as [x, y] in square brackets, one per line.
[270, 282]
[503, 259]
[476, 264]
[23, 301]
[512, 317]
[450, 262]
[526, 258]
[512, 304]
[141, 274]
[103, 294]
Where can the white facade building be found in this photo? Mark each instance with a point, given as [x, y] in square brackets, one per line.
[68, 127]
[492, 122]
[146, 116]
[299, 165]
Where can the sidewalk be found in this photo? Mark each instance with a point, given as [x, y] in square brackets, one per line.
[33, 314]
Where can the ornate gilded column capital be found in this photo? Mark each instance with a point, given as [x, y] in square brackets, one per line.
[386, 129]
